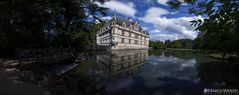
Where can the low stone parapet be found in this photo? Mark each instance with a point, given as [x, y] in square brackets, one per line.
[26, 56]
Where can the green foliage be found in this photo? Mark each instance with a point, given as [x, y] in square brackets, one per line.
[220, 30]
[157, 45]
[48, 23]
[85, 40]
[167, 43]
[182, 43]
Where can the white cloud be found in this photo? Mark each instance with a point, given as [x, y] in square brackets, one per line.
[155, 31]
[131, 4]
[125, 9]
[145, 28]
[172, 13]
[106, 18]
[169, 28]
[155, 12]
[163, 2]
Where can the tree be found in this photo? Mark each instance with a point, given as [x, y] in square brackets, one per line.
[39, 23]
[47, 23]
[168, 43]
[220, 29]
[157, 45]
[182, 43]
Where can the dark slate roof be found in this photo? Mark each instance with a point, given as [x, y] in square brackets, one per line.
[120, 20]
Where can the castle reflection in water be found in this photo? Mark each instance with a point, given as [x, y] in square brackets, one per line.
[122, 63]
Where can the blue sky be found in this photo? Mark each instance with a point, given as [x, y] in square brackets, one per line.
[162, 22]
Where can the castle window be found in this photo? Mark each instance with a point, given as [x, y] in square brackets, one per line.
[113, 31]
[122, 58]
[135, 42]
[122, 40]
[136, 36]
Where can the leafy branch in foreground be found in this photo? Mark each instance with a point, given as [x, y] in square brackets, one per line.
[219, 29]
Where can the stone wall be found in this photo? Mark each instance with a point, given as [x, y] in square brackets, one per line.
[121, 46]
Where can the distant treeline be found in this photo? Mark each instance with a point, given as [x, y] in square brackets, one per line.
[182, 44]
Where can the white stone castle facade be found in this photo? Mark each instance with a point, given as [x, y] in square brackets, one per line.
[120, 33]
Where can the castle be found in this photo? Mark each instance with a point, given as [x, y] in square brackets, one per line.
[120, 33]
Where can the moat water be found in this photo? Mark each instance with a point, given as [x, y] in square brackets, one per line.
[134, 72]
[142, 72]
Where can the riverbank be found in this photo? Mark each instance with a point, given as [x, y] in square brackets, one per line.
[181, 49]
[230, 57]
[33, 79]
[37, 78]
[212, 53]
[219, 56]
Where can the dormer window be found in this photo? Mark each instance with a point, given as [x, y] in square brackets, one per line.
[124, 25]
[130, 27]
[113, 23]
[136, 27]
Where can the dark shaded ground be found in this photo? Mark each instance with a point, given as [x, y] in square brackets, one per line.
[29, 80]
[36, 79]
[10, 86]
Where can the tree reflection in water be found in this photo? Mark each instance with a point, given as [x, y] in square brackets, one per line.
[219, 73]
[71, 83]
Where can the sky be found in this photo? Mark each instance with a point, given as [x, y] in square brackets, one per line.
[155, 16]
